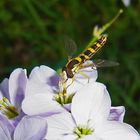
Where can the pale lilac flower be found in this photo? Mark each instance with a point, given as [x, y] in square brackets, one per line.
[117, 113]
[29, 128]
[126, 2]
[44, 84]
[88, 119]
[12, 92]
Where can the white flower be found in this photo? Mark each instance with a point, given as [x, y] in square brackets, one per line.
[88, 119]
[43, 86]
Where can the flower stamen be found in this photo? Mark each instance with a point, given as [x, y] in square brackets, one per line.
[63, 98]
[81, 131]
[8, 109]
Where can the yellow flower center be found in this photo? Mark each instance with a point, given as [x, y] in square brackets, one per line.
[82, 131]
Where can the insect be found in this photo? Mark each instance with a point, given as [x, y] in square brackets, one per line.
[76, 63]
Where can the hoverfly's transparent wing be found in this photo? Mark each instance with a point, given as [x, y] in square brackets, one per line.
[70, 46]
[100, 63]
[104, 63]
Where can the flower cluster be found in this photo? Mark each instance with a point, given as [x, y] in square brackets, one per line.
[46, 106]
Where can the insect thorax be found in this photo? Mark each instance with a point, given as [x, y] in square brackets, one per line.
[71, 67]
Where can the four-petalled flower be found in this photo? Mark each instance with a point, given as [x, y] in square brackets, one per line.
[12, 93]
[88, 119]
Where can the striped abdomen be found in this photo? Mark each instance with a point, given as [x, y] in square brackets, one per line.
[86, 55]
[89, 52]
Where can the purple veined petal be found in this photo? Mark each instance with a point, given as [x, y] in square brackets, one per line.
[117, 113]
[17, 86]
[46, 75]
[31, 128]
[16, 120]
[40, 104]
[67, 107]
[113, 130]
[92, 102]
[6, 129]
[4, 88]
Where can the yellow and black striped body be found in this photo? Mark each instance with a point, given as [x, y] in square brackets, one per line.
[86, 55]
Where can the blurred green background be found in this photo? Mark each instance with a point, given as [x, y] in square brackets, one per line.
[31, 33]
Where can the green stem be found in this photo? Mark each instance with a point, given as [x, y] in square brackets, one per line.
[97, 32]
[106, 26]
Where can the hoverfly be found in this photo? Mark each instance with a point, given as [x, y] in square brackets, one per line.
[76, 63]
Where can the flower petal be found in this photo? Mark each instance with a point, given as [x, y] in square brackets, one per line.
[117, 113]
[60, 126]
[112, 130]
[126, 2]
[138, 138]
[4, 88]
[17, 119]
[31, 128]
[91, 103]
[74, 86]
[1, 95]
[37, 88]
[44, 74]
[68, 137]
[40, 104]
[6, 129]
[63, 137]
[87, 74]
[17, 86]
[91, 137]
[42, 80]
